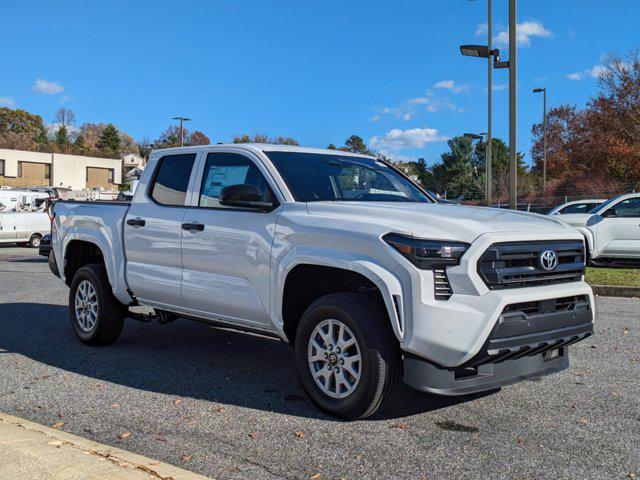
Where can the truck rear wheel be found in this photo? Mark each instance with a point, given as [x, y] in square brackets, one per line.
[347, 356]
[97, 317]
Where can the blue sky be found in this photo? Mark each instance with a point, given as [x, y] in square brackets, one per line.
[389, 71]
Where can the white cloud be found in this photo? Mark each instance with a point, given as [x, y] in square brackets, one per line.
[596, 72]
[451, 86]
[525, 31]
[575, 76]
[496, 87]
[482, 29]
[65, 99]
[46, 87]
[398, 139]
[7, 102]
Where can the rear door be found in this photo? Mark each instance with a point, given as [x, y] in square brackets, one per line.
[618, 233]
[153, 231]
[8, 226]
[227, 263]
[22, 227]
[5, 231]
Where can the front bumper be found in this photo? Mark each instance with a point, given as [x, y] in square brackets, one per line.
[522, 345]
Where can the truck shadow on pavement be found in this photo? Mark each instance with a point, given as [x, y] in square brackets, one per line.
[185, 359]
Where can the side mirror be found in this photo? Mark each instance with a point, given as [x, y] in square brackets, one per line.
[244, 195]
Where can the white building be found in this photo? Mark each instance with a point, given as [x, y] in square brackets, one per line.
[20, 168]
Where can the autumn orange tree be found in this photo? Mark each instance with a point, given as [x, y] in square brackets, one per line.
[596, 149]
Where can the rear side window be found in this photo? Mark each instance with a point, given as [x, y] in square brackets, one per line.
[170, 184]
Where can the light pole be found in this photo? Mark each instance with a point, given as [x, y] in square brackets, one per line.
[544, 137]
[489, 154]
[513, 85]
[182, 120]
[488, 53]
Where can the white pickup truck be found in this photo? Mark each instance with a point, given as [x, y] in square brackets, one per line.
[340, 255]
[611, 230]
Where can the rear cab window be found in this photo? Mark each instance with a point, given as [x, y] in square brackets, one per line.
[171, 179]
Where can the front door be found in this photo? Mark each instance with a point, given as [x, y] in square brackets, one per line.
[619, 230]
[226, 264]
[153, 232]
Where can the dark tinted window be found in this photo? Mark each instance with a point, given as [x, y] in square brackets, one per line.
[172, 179]
[316, 177]
[579, 208]
[224, 169]
[627, 208]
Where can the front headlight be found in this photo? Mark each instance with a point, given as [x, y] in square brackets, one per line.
[427, 254]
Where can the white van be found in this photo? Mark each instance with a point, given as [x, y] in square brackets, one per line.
[24, 227]
[21, 200]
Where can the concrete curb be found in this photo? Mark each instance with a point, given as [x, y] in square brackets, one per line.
[38, 447]
[614, 291]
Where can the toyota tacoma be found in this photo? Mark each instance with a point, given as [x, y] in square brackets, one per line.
[340, 255]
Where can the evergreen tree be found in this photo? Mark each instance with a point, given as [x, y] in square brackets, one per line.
[109, 141]
[62, 139]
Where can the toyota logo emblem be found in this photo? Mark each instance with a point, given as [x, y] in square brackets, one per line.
[548, 260]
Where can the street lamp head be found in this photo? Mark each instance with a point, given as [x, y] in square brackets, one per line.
[538, 90]
[474, 136]
[481, 51]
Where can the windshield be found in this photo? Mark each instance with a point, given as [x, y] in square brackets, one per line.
[605, 205]
[314, 177]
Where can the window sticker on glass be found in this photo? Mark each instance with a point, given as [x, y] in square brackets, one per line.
[219, 177]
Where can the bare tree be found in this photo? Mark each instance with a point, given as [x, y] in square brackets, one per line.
[65, 117]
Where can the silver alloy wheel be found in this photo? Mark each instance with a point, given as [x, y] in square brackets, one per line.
[35, 241]
[334, 358]
[86, 306]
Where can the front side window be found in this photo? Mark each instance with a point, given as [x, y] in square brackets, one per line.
[226, 169]
[629, 208]
[171, 181]
[314, 177]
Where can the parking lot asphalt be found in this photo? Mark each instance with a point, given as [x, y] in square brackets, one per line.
[229, 405]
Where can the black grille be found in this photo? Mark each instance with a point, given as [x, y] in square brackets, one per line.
[532, 328]
[442, 289]
[517, 265]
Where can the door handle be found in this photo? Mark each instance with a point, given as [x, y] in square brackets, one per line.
[193, 226]
[136, 222]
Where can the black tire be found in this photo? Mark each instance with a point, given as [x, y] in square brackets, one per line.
[110, 312]
[34, 241]
[381, 367]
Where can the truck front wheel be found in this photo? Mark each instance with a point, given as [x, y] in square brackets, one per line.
[97, 317]
[347, 357]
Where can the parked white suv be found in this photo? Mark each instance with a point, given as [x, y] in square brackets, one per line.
[612, 230]
[340, 255]
[576, 206]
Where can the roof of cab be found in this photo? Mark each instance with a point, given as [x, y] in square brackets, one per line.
[263, 147]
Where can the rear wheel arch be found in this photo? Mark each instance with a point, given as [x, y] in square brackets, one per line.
[79, 253]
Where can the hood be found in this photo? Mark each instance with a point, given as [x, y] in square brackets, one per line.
[431, 220]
